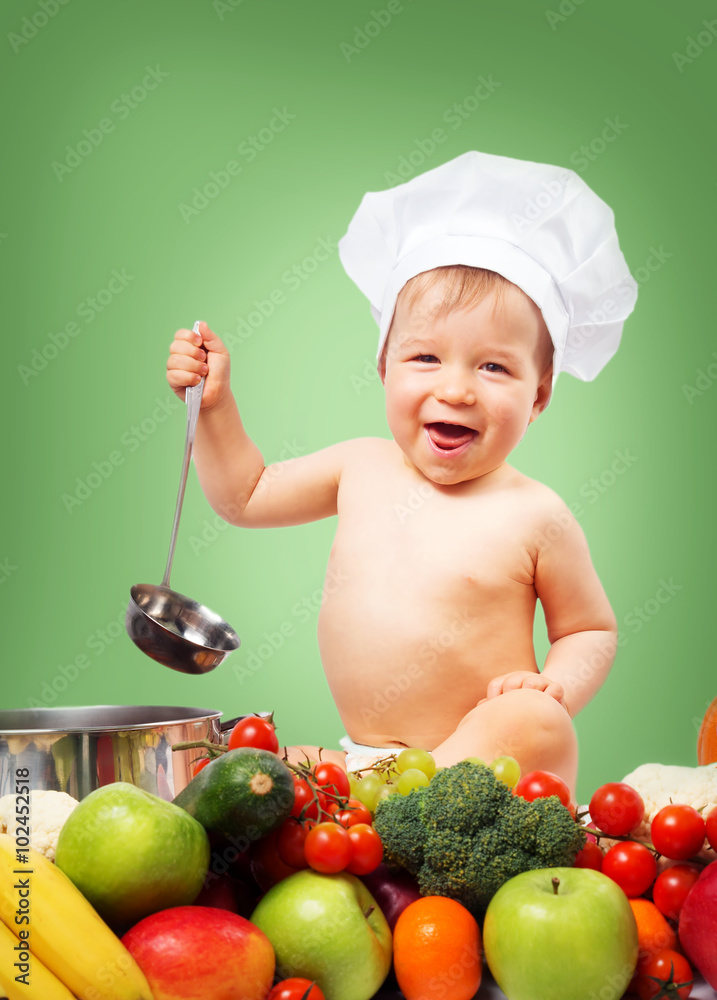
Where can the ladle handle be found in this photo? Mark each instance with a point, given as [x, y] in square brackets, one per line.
[193, 399]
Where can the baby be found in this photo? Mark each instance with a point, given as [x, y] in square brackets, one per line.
[442, 548]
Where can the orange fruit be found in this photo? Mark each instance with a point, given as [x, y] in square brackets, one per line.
[437, 950]
[707, 736]
[654, 933]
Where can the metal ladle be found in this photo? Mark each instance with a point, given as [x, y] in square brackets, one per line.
[169, 627]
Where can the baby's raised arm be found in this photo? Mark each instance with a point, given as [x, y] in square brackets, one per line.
[231, 469]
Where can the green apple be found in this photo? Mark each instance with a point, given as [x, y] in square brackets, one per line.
[131, 853]
[561, 934]
[327, 928]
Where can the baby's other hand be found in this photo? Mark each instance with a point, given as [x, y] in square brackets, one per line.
[524, 679]
[192, 355]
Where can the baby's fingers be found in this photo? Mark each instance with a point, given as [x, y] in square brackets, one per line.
[209, 339]
[556, 691]
[183, 371]
[190, 350]
[184, 363]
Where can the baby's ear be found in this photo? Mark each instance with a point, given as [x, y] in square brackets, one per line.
[542, 394]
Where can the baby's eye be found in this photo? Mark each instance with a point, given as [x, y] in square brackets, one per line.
[428, 359]
[493, 366]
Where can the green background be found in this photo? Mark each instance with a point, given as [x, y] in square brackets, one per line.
[304, 377]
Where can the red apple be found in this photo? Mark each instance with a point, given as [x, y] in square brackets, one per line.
[196, 952]
[392, 890]
[698, 924]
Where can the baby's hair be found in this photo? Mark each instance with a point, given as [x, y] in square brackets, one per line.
[462, 287]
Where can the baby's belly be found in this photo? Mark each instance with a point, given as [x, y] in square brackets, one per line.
[406, 662]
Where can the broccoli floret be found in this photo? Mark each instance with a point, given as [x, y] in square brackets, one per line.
[558, 838]
[466, 834]
[453, 787]
[399, 822]
[447, 857]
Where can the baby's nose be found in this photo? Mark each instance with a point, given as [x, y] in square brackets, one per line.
[455, 387]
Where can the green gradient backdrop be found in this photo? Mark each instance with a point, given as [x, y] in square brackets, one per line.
[303, 377]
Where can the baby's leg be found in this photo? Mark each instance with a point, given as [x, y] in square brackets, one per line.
[526, 724]
[298, 755]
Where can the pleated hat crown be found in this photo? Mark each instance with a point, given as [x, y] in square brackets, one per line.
[538, 225]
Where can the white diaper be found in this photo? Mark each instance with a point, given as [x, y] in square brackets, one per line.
[361, 755]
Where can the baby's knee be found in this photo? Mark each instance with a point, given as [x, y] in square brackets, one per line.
[536, 719]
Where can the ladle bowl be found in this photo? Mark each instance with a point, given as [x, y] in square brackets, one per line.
[171, 628]
[177, 631]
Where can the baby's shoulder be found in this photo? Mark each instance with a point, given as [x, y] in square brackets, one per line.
[543, 502]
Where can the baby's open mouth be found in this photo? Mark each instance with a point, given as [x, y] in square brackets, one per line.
[449, 436]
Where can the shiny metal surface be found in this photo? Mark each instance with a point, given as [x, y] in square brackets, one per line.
[176, 631]
[76, 750]
[171, 628]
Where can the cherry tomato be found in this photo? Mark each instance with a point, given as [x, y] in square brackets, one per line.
[366, 849]
[327, 847]
[200, 764]
[678, 832]
[254, 731]
[589, 857]
[333, 778]
[667, 967]
[290, 842]
[306, 798]
[711, 829]
[295, 989]
[541, 784]
[616, 808]
[355, 812]
[671, 887]
[632, 866]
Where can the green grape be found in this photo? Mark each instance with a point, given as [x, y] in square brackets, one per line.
[368, 789]
[422, 760]
[385, 792]
[410, 779]
[476, 760]
[507, 770]
[353, 785]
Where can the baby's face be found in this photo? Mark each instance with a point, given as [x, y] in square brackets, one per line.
[462, 389]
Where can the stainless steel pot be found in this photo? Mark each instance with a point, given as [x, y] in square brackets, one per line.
[76, 750]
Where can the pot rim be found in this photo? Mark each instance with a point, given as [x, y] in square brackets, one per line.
[175, 716]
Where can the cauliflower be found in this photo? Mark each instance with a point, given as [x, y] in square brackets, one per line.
[661, 784]
[48, 812]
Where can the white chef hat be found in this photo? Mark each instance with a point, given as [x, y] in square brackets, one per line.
[538, 225]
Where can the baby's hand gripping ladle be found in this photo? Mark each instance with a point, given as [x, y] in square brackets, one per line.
[169, 627]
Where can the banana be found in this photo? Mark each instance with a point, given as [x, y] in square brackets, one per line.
[66, 934]
[35, 982]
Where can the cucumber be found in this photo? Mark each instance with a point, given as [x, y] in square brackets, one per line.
[245, 792]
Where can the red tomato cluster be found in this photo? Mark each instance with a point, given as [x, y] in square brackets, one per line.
[677, 832]
[327, 830]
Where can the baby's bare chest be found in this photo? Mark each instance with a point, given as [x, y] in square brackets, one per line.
[414, 541]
